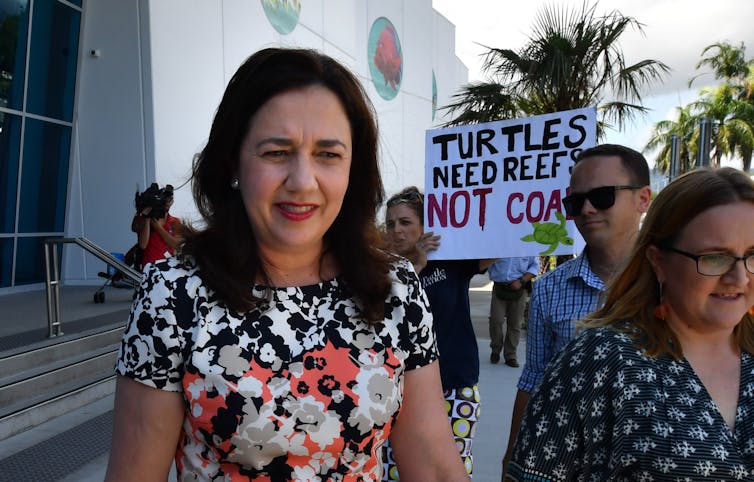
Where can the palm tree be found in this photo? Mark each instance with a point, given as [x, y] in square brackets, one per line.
[731, 121]
[731, 105]
[745, 112]
[571, 60]
[728, 63]
[685, 127]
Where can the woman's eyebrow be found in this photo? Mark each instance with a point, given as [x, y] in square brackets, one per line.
[278, 141]
[284, 141]
[331, 143]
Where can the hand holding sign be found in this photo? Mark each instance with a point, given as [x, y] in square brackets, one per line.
[427, 242]
[496, 189]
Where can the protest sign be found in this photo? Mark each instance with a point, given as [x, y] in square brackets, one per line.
[494, 190]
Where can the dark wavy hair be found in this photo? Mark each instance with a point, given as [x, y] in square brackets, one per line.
[411, 197]
[226, 249]
[634, 293]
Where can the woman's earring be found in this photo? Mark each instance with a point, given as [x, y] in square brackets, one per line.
[751, 311]
[661, 310]
[234, 183]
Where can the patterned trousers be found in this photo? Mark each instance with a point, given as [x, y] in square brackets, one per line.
[463, 407]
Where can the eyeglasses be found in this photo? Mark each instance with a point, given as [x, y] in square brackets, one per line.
[716, 264]
[600, 197]
[409, 197]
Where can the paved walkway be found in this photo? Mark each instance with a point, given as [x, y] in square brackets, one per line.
[86, 431]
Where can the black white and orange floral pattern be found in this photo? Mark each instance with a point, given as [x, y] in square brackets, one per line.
[300, 388]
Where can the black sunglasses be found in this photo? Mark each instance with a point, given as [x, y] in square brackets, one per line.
[408, 197]
[600, 197]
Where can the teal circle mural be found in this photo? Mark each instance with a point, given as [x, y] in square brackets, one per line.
[282, 14]
[434, 95]
[385, 58]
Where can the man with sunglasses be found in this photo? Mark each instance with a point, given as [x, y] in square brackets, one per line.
[609, 192]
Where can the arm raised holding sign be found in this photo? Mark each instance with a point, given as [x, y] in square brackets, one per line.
[446, 283]
[427, 242]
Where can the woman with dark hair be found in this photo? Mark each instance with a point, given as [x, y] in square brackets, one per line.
[446, 283]
[280, 344]
[659, 385]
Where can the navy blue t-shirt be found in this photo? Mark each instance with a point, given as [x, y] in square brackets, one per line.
[447, 287]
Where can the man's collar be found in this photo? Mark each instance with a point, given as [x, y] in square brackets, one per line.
[580, 268]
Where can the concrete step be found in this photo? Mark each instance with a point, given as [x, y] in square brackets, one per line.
[56, 376]
[62, 377]
[60, 447]
[49, 356]
[49, 410]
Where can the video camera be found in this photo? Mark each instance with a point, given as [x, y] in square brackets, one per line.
[152, 203]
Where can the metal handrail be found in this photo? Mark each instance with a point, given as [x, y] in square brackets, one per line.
[52, 275]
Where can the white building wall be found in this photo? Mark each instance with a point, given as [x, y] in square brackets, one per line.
[110, 142]
[146, 105]
[187, 77]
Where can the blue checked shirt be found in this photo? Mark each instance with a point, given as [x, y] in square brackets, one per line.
[559, 299]
[506, 270]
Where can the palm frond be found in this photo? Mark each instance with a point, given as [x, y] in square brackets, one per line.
[572, 59]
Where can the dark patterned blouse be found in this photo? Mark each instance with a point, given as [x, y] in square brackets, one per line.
[607, 412]
[298, 389]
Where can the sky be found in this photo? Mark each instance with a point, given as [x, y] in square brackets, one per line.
[674, 32]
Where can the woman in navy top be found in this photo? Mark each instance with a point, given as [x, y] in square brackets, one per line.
[446, 283]
[660, 384]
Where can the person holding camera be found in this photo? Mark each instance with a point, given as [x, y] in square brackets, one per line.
[158, 232]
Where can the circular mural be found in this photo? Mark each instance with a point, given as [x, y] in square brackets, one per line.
[385, 58]
[434, 95]
[282, 14]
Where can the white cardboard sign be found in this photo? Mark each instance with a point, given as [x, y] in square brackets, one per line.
[494, 190]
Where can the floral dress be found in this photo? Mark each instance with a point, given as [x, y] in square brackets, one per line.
[299, 388]
[605, 411]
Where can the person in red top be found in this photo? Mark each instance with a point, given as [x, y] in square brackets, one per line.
[158, 237]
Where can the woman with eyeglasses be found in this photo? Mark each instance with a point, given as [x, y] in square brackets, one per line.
[447, 286]
[659, 383]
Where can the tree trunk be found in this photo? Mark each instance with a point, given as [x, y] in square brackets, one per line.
[747, 162]
[716, 159]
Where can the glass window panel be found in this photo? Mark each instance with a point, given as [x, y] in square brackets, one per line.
[14, 28]
[52, 64]
[30, 260]
[10, 140]
[75, 2]
[6, 261]
[44, 177]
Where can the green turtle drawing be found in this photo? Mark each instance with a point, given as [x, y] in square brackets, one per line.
[551, 234]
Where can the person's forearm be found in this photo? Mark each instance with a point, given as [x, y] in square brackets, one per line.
[526, 277]
[418, 260]
[144, 235]
[519, 408]
[422, 439]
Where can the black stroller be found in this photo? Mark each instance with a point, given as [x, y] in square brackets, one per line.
[115, 278]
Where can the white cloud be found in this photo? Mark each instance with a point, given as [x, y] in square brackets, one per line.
[674, 32]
